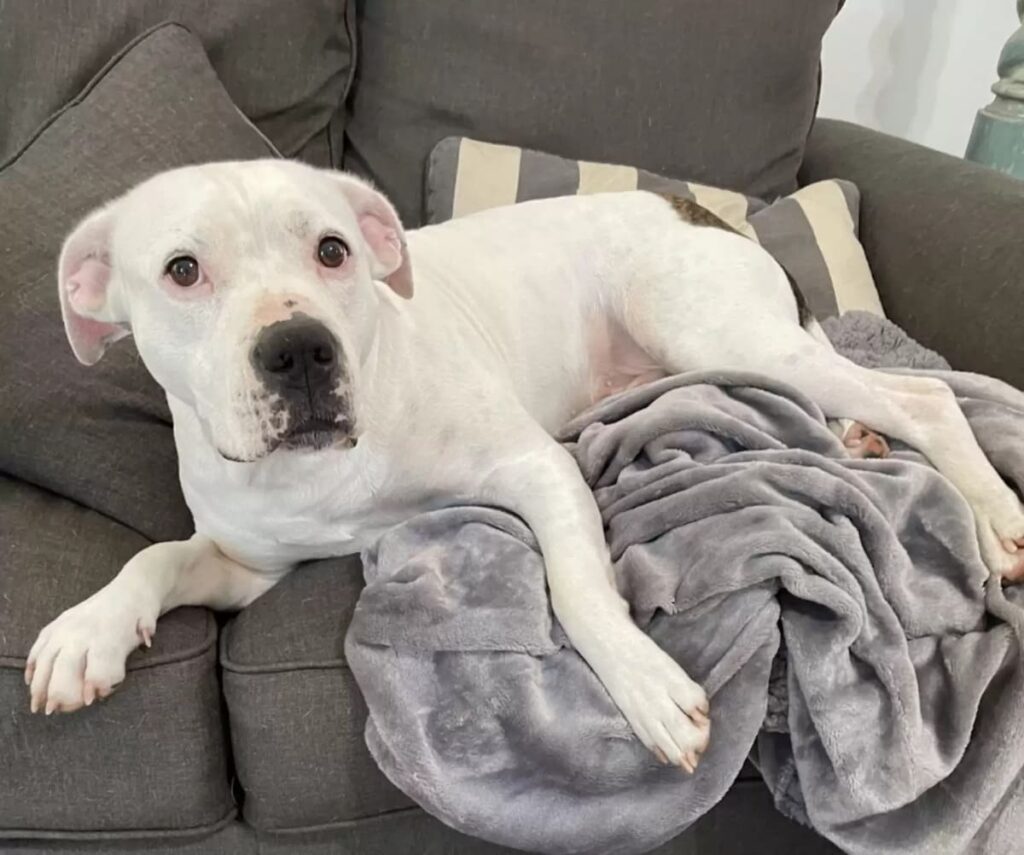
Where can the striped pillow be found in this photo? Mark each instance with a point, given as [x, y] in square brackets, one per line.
[812, 233]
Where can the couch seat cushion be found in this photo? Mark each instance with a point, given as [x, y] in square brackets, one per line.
[152, 757]
[296, 715]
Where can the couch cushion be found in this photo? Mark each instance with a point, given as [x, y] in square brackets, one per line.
[286, 65]
[100, 435]
[296, 715]
[812, 233]
[150, 758]
[717, 91]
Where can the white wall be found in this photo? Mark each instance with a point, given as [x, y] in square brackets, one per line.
[918, 69]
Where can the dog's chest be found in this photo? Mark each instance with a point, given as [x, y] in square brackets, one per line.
[288, 510]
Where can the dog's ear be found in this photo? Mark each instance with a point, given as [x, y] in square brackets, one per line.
[93, 318]
[383, 233]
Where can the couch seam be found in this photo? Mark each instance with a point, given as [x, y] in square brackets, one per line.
[120, 834]
[342, 823]
[230, 666]
[406, 811]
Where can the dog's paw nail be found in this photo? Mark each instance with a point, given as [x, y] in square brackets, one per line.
[660, 755]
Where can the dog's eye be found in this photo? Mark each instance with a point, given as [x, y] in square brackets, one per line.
[332, 252]
[183, 270]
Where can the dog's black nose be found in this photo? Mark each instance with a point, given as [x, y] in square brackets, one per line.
[299, 353]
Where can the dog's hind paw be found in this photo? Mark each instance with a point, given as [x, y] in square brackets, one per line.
[1001, 538]
[862, 443]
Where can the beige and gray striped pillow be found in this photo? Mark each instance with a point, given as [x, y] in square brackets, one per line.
[812, 233]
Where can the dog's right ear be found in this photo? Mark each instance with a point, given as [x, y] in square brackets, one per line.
[93, 316]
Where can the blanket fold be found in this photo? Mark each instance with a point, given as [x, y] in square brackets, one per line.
[837, 612]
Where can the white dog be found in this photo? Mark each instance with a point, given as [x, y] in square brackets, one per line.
[318, 400]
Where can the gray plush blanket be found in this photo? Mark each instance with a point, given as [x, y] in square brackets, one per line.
[837, 612]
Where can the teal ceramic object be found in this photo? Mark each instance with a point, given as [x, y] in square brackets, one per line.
[998, 136]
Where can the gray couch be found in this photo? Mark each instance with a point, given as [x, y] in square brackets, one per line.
[243, 733]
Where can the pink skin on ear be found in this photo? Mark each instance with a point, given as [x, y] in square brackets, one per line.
[87, 286]
[391, 255]
[82, 293]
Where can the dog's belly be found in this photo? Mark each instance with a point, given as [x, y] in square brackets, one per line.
[615, 362]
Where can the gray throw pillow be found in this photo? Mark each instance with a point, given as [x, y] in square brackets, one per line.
[100, 436]
[812, 232]
[287, 65]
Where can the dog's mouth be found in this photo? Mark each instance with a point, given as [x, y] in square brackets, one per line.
[317, 432]
[307, 431]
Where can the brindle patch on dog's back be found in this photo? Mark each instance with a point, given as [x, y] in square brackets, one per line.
[698, 215]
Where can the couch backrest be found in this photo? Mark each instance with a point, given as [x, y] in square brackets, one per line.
[717, 91]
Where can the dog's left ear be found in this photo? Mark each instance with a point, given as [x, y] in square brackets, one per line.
[383, 233]
[93, 315]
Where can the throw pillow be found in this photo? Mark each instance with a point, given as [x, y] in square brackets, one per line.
[101, 436]
[812, 232]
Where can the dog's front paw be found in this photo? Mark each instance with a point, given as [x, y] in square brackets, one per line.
[81, 655]
[666, 709]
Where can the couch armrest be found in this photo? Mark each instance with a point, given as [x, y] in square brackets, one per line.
[943, 237]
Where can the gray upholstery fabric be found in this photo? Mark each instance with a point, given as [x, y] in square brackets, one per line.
[744, 822]
[101, 435]
[293, 705]
[286, 65]
[717, 91]
[235, 838]
[735, 519]
[943, 239]
[152, 757]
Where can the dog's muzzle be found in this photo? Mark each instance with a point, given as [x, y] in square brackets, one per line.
[300, 363]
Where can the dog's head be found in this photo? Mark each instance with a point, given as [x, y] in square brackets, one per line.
[252, 290]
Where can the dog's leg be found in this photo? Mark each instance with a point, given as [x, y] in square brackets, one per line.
[81, 655]
[666, 709]
[859, 440]
[920, 411]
